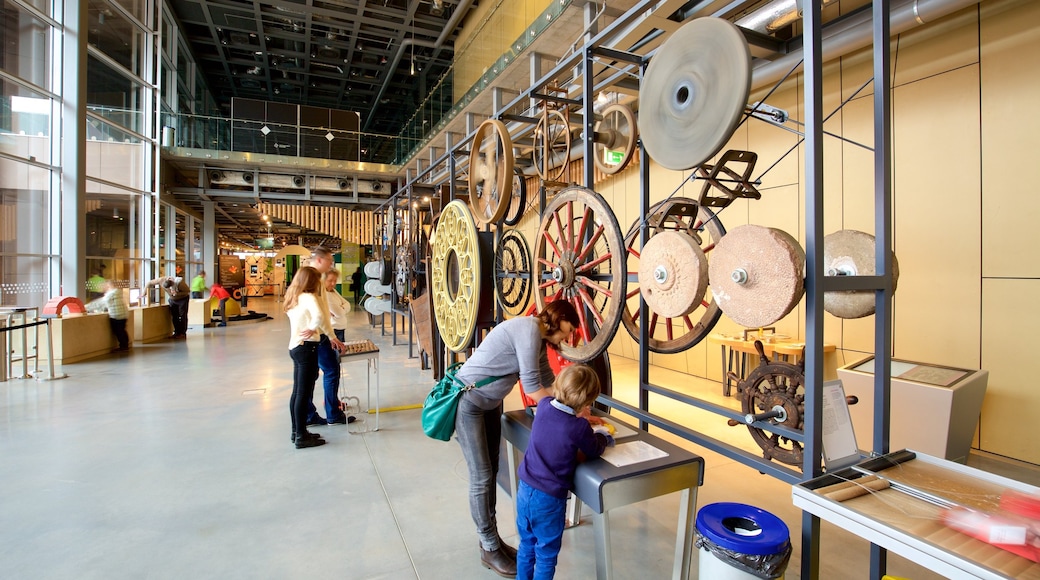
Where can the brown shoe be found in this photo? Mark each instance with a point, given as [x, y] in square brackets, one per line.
[499, 562]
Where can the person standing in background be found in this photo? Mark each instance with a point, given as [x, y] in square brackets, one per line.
[218, 292]
[339, 307]
[307, 316]
[328, 349]
[198, 284]
[178, 295]
[112, 301]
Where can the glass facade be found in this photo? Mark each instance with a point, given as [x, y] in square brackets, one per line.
[132, 73]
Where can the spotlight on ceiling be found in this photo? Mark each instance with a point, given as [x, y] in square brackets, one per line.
[437, 7]
[247, 176]
[298, 180]
[343, 183]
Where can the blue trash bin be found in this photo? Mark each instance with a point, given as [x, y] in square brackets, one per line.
[741, 542]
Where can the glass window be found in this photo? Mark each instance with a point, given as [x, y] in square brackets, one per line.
[23, 280]
[114, 96]
[116, 36]
[26, 45]
[24, 208]
[115, 155]
[25, 121]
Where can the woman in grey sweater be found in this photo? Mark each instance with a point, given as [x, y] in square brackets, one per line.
[515, 349]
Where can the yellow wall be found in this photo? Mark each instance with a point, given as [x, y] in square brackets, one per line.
[487, 34]
[964, 145]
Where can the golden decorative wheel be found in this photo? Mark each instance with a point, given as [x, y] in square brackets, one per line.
[580, 257]
[490, 172]
[455, 273]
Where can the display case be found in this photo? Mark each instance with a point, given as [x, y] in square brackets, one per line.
[934, 408]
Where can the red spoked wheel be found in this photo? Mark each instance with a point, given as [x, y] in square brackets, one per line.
[580, 257]
[670, 335]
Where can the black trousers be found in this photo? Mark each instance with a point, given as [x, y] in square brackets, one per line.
[179, 315]
[118, 326]
[305, 374]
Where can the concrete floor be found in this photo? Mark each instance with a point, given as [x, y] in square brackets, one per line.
[174, 461]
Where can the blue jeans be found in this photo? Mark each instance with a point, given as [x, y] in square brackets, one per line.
[305, 373]
[479, 433]
[540, 519]
[328, 362]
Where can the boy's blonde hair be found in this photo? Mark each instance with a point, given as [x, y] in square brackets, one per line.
[577, 386]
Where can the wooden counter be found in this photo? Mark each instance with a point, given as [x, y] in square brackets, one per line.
[78, 337]
[150, 323]
[740, 357]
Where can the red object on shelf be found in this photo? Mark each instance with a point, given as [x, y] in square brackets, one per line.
[55, 305]
[1004, 532]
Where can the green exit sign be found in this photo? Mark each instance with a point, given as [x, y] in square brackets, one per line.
[613, 157]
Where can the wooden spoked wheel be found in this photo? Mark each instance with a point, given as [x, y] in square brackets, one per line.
[513, 273]
[517, 199]
[455, 276]
[671, 335]
[776, 386]
[615, 139]
[579, 257]
[490, 172]
[552, 146]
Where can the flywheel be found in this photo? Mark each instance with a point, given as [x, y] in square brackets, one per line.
[686, 314]
[694, 92]
[580, 257]
[456, 276]
[513, 273]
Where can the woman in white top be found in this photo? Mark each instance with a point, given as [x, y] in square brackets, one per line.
[305, 320]
[339, 308]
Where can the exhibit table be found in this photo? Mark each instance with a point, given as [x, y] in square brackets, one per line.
[901, 516]
[150, 323]
[603, 486]
[78, 337]
[365, 350]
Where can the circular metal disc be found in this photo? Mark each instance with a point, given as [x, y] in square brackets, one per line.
[756, 275]
[694, 93]
[615, 138]
[673, 274]
[851, 253]
[455, 271]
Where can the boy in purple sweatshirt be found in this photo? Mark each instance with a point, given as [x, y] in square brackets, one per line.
[560, 438]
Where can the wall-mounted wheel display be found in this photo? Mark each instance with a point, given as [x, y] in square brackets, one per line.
[615, 140]
[673, 331]
[777, 389]
[579, 257]
[455, 273]
[490, 172]
[517, 199]
[513, 273]
[552, 145]
[694, 92]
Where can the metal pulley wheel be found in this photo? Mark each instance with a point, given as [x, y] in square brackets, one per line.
[552, 146]
[851, 253]
[579, 257]
[673, 274]
[490, 172]
[668, 333]
[757, 275]
[776, 388]
[615, 138]
[513, 272]
[694, 92]
[403, 263]
[517, 199]
[455, 272]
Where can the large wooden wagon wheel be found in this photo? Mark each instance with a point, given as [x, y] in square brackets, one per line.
[513, 273]
[552, 145]
[579, 257]
[670, 332]
[490, 172]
